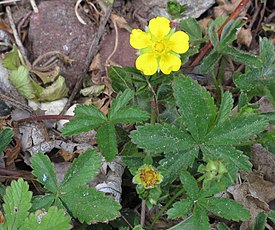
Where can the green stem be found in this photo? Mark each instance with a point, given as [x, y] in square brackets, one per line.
[164, 208]
[154, 103]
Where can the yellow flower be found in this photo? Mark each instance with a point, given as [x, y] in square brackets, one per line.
[147, 176]
[159, 47]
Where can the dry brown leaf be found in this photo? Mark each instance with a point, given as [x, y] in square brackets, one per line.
[244, 37]
[203, 24]
[225, 8]
[120, 21]
[5, 27]
[96, 63]
[66, 155]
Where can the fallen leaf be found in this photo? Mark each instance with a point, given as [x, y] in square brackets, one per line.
[244, 37]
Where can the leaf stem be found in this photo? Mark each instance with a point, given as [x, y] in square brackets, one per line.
[142, 213]
[154, 103]
[164, 208]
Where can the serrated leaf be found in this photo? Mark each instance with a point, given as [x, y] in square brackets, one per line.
[121, 101]
[210, 61]
[271, 215]
[260, 221]
[5, 137]
[225, 208]
[130, 115]
[192, 28]
[21, 80]
[175, 163]
[11, 60]
[42, 201]
[180, 208]
[87, 118]
[213, 35]
[267, 55]
[52, 219]
[197, 107]
[161, 138]
[190, 185]
[228, 154]
[225, 108]
[200, 218]
[229, 32]
[106, 141]
[242, 57]
[89, 205]
[44, 171]
[17, 203]
[83, 169]
[236, 130]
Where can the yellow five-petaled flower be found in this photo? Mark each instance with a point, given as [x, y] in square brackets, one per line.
[159, 47]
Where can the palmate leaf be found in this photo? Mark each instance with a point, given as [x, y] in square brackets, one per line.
[83, 169]
[52, 219]
[190, 185]
[106, 141]
[175, 163]
[210, 61]
[44, 171]
[236, 130]
[87, 118]
[187, 224]
[197, 107]
[89, 205]
[161, 138]
[226, 208]
[17, 203]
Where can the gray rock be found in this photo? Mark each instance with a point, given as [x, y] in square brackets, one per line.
[195, 8]
[56, 27]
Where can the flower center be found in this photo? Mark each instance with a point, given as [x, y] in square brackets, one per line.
[149, 177]
[159, 47]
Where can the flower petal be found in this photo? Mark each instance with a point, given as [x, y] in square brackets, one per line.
[147, 63]
[139, 39]
[169, 62]
[159, 27]
[179, 42]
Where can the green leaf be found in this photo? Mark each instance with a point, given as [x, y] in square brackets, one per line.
[17, 203]
[200, 218]
[190, 185]
[225, 208]
[42, 201]
[175, 163]
[192, 28]
[260, 221]
[187, 224]
[225, 108]
[21, 80]
[223, 226]
[83, 169]
[55, 91]
[44, 171]
[229, 33]
[52, 219]
[267, 55]
[89, 205]
[197, 107]
[106, 141]
[180, 208]
[242, 57]
[87, 118]
[271, 215]
[161, 138]
[130, 115]
[121, 101]
[213, 35]
[209, 62]
[5, 137]
[11, 60]
[228, 154]
[236, 130]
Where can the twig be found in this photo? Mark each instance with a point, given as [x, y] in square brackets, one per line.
[45, 117]
[142, 213]
[16, 103]
[34, 6]
[241, 7]
[17, 39]
[21, 23]
[261, 18]
[255, 15]
[92, 51]
[9, 1]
